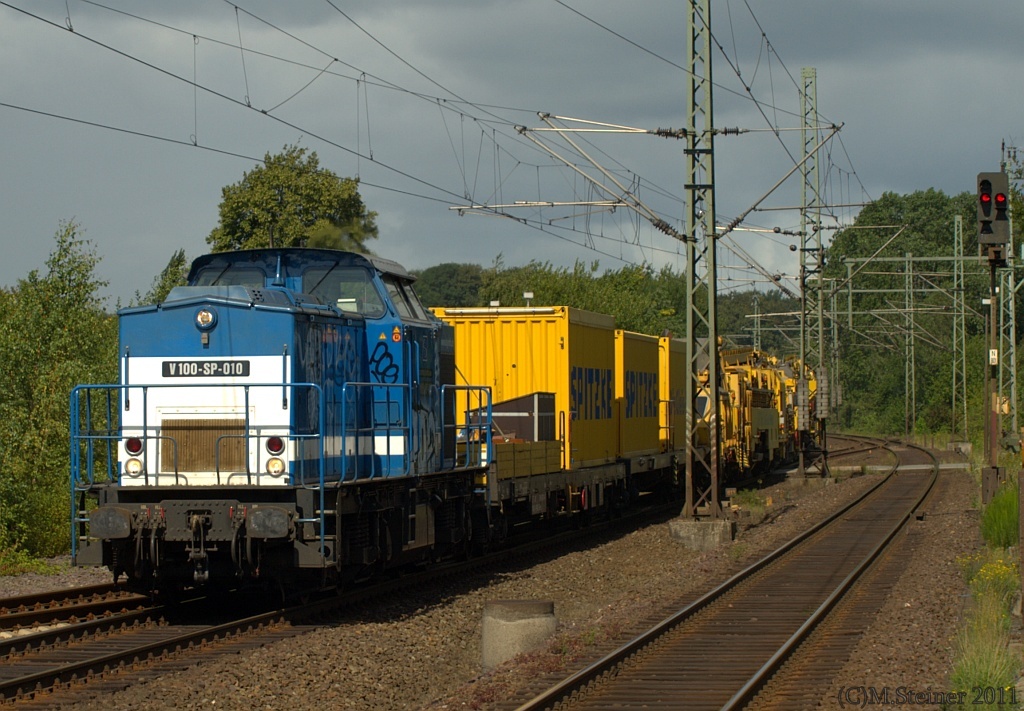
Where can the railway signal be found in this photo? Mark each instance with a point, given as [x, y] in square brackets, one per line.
[993, 204]
[993, 238]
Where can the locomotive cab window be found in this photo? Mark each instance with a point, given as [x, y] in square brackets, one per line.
[351, 289]
[230, 275]
[405, 299]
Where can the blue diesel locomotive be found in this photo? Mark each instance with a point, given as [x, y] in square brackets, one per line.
[287, 416]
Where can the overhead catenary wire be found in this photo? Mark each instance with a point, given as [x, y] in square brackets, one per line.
[467, 111]
[734, 65]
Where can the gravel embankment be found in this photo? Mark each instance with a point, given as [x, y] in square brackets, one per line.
[422, 651]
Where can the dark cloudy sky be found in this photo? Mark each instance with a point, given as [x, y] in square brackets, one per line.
[420, 100]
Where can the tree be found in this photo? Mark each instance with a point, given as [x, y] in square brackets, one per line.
[54, 334]
[290, 201]
[736, 326]
[872, 354]
[639, 298]
[450, 284]
[174, 274]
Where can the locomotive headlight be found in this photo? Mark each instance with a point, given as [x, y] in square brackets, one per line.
[133, 467]
[206, 319]
[275, 466]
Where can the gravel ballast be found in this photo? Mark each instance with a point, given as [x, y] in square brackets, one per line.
[422, 650]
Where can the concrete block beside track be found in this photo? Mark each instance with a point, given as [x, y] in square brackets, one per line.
[512, 627]
[702, 535]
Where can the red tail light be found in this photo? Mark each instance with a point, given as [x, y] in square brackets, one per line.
[275, 445]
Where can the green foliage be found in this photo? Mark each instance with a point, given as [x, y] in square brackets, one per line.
[999, 578]
[290, 201]
[639, 298]
[736, 326]
[872, 353]
[753, 502]
[1000, 525]
[15, 561]
[174, 274]
[54, 334]
[450, 284]
[983, 658]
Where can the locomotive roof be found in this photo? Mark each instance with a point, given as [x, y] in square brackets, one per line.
[295, 260]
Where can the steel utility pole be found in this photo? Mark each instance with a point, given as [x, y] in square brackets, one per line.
[702, 462]
[909, 371]
[812, 430]
[959, 424]
[1008, 286]
[1008, 424]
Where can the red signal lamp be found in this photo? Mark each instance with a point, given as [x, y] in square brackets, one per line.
[275, 445]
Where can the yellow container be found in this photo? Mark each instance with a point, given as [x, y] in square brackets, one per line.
[637, 393]
[557, 349]
[672, 393]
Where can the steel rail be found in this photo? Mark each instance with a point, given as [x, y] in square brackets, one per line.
[69, 611]
[747, 692]
[65, 633]
[593, 671]
[28, 685]
[61, 596]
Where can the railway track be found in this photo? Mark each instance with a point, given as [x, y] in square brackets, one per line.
[855, 445]
[79, 654]
[108, 651]
[724, 648]
[22, 614]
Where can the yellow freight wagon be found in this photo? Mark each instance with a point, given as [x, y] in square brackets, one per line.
[556, 349]
[672, 393]
[637, 393]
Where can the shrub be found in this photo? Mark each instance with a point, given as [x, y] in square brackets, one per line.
[15, 561]
[1000, 525]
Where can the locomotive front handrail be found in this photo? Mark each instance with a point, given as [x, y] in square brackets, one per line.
[84, 476]
[381, 446]
[115, 431]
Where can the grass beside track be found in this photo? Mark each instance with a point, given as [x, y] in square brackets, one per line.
[985, 667]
